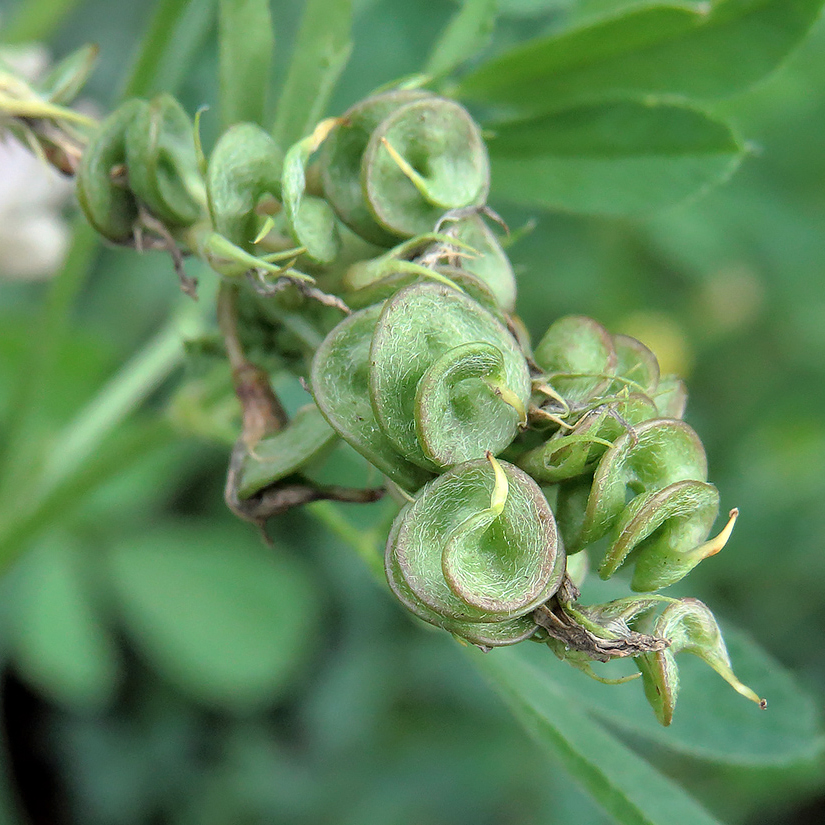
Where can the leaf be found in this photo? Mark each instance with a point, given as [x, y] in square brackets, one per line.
[670, 48]
[226, 622]
[621, 782]
[321, 51]
[246, 44]
[58, 640]
[711, 721]
[466, 34]
[622, 157]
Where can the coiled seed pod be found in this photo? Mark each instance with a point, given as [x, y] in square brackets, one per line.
[340, 385]
[569, 453]
[476, 551]
[244, 166]
[662, 463]
[419, 342]
[690, 627]
[162, 162]
[397, 161]
[109, 205]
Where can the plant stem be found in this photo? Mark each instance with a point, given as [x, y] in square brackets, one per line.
[124, 393]
[364, 543]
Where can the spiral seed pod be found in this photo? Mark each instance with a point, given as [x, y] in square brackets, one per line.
[244, 167]
[418, 326]
[475, 551]
[311, 220]
[578, 356]
[108, 204]
[425, 158]
[399, 160]
[662, 463]
[279, 455]
[570, 453]
[690, 627]
[340, 385]
[162, 162]
[487, 260]
[341, 157]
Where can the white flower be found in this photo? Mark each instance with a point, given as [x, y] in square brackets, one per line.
[34, 235]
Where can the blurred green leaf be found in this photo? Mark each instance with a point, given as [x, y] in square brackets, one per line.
[624, 784]
[37, 19]
[612, 158]
[226, 621]
[711, 721]
[246, 45]
[320, 53]
[670, 48]
[142, 78]
[466, 34]
[58, 640]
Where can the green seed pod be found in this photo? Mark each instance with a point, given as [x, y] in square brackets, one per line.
[424, 159]
[340, 385]
[162, 162]
[569, 453]
[244, 167]
[341, 156]
[397, 161]
[477, 546]
[690, 627]
[670, 397]
[578, 356]
[107, 203]
[310, 219]
[488, 261]
[636, 364]
[303, 439]
[419, 326]
[662, 463]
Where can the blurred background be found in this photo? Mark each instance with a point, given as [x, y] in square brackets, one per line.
[160, 665]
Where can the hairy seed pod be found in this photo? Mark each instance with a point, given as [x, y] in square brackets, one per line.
[662, 464]
[570, 453]
[341, 157]
[477, 546]
[274, 457]
[397, 161]
[487, 260]
[340, 385]
[670, 397]
[424, 159]
[102, 190]
[162, 162]
[578, 356]
[419, 326]
[244, 167]
[690, 627]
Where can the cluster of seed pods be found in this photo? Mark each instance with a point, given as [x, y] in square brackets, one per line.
[433, 380]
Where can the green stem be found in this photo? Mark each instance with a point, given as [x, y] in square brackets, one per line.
[364, 543]
[124, 393]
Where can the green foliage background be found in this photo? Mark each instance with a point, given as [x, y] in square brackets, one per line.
[160, 665]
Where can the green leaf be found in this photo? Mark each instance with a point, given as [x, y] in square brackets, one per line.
[613, 158]
[320, 54]
[621, 782]
[465, 35]
[161, 38]
[223, 619]
[711, 721]
[58, 640]
[246, 44]
[670, 48]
